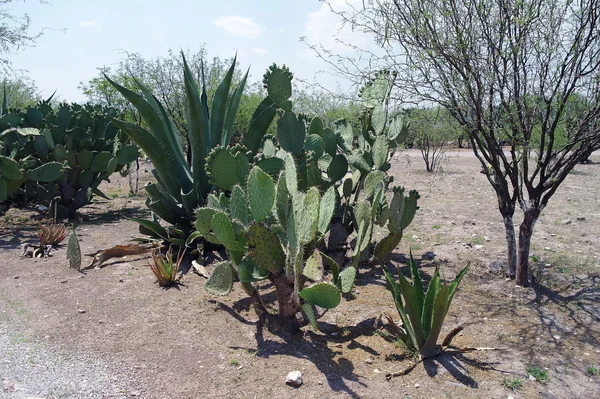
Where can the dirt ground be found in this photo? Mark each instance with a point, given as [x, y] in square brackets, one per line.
[184, 343]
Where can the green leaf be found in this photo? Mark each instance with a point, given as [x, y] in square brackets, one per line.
[413, 308]
[223, 230]
[46, 173]
[324, 295]
[127, 154]
[347, 277]
[239, 205]
[308, 311]
[232, 110]
[9, 168]
[291, 133]
[261, 194]
[219, 107]
[259, 124]
[220, 281]
[291, 176]
[412, 343]
[73, 251]
[335, 268]
[432, 292]
[313, 269]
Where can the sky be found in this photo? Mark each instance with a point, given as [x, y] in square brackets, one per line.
[83, 35]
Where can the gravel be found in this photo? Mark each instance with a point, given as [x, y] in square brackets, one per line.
[36, 370]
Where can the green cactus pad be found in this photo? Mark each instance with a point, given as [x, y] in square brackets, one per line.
[85, 179]
[291, 133]
[402, 210]
[261, 194]
[239, 205]
[3, 190]
[330, 141]
[347, 188]
[379, 119]
[371, 181]
[362, 211]
[324, 295]
[346, 279]
[397, 131]
[344, 130]
[127, 154]
[227, 166]
[384, 247]
[112, 166]
[310, 315]
[380, 152]
[249, 271]
[63, 117]
[220, 281]
[326, 210]
[100, 161]
[60, 154]
[282, 200]
[9, 168]
[375, 91]
[46, 173]
[313, 269]
[279, 87]
[204, 219]
[306, 214]
[291, 176]
[41, 147]
[337, 168]
[84, 158]
[223, 230]
[265, 248]
[270, 165]
[316, 144]
[324, 162]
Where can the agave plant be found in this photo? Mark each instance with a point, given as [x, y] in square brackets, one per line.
[422, 312]
[53, 234]
[165, 267]
[181, 187]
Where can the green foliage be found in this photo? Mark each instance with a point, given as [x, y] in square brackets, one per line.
[513, 383]
[538, 373]
[74, 251]
[422, 311]
[59, 155]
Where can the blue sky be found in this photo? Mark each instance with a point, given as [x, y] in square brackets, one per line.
[82, 35]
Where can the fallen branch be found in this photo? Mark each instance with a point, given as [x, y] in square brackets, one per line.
[118, 251]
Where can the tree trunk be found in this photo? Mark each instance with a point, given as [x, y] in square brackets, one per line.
[525, 233]
[511, 242]
[288, 306]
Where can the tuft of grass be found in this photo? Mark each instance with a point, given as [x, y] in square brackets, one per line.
[234, 362]
[535, 258]
[513, 383]
[165, 268]
[436, 226]
[592, 371]
[538, 373]
[477, 241]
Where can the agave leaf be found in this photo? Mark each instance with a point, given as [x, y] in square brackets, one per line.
[160, 159]
[432, 291]
[335, 268]
[412, 308]
[417, 284]
[198, 130]
[455, 282]
[152, 226]
[234, 104]
[412, 343]
[440, 309]
[219, 107]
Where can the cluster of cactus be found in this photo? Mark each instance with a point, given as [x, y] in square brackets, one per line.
[271, 230]
[59, 156]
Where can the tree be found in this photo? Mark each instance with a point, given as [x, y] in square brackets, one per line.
[14, 34]
[430, 130]
[524, 70]
[20, 93]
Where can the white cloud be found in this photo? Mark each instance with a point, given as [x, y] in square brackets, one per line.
[324, 28]
[239, 26]
[259, 51]
[90, 24]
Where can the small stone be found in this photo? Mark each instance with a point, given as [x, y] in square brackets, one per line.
[581, 219]
[479, 246]
[417, 385]
[415, 237]
[510, 397]
[566, 221]
[80, 310]
[369, 360]
[547, 249]
[294, 379]
[334, 334]
[486, 238]
[531, 378]
[556, 337]
[121, 280]
[548, 265]
[134, 393]
[552, 235]
[16, 277]
[497, 266]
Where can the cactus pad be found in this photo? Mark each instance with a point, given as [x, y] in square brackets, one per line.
[74, 251]
[337, 168]
[323, 295]
[282, 201]
[291, 176]
[221, 279]
[380, 152]
[346, 279]
[387, 245]
[326, 210]
[227, 166]
[291, 133]
[46, 173]
[265, 248]
[223, 230]
[100, 161]
[9, 168]
[249, 271]
[239, 205]
[371, 181]
[313, 269]
[261, 194]
[316, 144]
[306, 214]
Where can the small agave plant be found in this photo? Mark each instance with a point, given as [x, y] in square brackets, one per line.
[53, 234]
[166, 267]
[422, 312]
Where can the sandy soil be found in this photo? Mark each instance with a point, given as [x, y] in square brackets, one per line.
[144, 341]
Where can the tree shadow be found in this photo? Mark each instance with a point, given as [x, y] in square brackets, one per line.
[318, 348]
[455, 364]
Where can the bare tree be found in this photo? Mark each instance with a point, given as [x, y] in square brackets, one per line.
[14, 34]
[523, 73]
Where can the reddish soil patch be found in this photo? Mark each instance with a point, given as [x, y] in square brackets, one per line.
[182, 342]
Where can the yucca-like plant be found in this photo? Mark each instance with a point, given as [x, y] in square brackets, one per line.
[53, 234]
[166, 267]
[422, 312]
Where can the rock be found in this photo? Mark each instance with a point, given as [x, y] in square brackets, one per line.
[369, 360]
[556, 337]
[486, 238]
[429, 255]
[478, 246]
[531, 378]
[581, 219]
[415, 237]
[469, 222]
[498, 266]
[417, 385]
[294, 379]
[80, 310]
[566, 221]
[548, 265]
